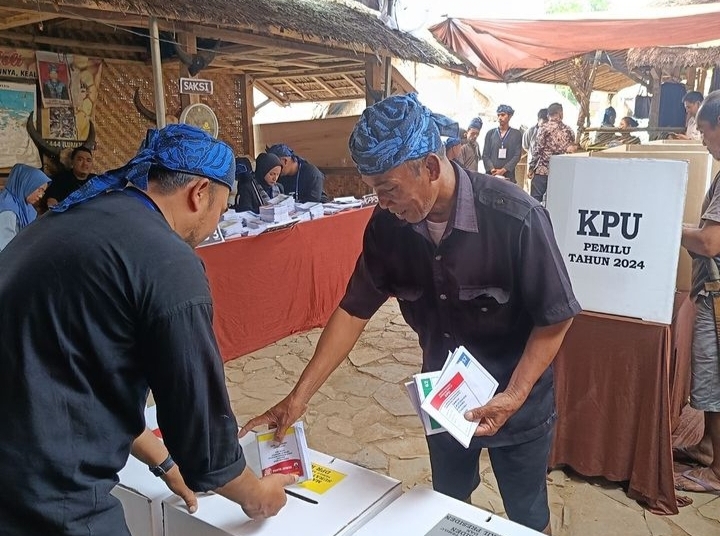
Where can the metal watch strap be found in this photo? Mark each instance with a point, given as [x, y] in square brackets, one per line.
[163, 468]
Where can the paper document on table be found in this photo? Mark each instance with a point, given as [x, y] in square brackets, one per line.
[463, 385]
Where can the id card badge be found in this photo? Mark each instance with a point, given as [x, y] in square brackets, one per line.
[502, 152]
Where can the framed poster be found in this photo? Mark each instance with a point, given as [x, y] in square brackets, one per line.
[17, 102]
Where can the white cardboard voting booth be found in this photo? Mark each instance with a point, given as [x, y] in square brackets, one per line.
[141, 493]
[424, 512]
[340, 499]
[618, 224]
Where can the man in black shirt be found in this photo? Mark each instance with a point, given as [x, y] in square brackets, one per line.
[69, 180]
[299, 177]
[104, 298]
[473, 262]
[503, 146]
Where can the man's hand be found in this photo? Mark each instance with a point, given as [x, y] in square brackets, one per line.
[270, 496]
[495, 413]
[176, 483]
[530, 174]
[281, 416]
[259, 498]
[500, 172]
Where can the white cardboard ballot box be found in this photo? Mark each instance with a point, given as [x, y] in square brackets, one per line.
[618, 224]
[340, 499]
[141, 493]
[424, 512]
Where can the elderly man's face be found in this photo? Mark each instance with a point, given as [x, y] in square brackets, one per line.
[472, 134]
[289, 166]
[406, 190]
[711, 136]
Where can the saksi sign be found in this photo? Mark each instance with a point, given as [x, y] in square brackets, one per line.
[196, 86]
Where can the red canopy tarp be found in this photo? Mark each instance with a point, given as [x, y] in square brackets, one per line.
[493, 48]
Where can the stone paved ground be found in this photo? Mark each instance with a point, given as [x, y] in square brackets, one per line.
[362, 414]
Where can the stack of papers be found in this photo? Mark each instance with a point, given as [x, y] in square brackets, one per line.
[442, 398]
[274, 213]
[289, 457]
[315, 210]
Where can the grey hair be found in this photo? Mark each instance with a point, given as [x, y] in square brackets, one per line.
[554, 109]
[710, 109]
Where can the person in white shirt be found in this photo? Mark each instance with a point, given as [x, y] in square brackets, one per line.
[692, 101]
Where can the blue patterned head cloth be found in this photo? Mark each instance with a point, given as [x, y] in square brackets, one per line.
[394, 131]
[505, 109]
[177, 147]
[280, 150]
[452, 142]
[476, 123]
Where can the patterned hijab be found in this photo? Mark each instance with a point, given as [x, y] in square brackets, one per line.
[396, 130]
[177, 147]
[23, 181]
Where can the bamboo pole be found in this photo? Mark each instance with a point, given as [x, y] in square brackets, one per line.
[157, 74]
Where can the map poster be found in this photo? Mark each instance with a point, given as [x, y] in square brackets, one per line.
[17, 102]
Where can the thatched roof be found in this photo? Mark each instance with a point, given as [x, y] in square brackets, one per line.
[669, 58]
[334, 23]
[673, 3]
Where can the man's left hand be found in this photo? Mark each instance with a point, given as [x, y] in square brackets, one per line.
[494, 414]
[500, 172]
[174, 480]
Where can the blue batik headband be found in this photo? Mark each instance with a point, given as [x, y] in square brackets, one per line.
[396, 130]
[177, 147]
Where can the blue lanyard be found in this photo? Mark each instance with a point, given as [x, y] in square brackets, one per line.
[142, 197]
[297, 181]
[502, 138]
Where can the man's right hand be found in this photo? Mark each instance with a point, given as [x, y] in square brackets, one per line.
[281, 416]
[270, 497]
[259, 498]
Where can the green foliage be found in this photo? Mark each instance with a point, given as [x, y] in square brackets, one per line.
[567, 93]
[575, 6]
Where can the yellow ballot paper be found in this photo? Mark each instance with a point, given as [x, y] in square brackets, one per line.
[323, 478]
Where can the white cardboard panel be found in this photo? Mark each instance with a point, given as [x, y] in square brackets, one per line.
[341, 510]
[421, 509]
[618, 223]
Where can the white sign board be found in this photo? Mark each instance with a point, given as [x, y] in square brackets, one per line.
[196, 86]
[422, 511]
[618, 224]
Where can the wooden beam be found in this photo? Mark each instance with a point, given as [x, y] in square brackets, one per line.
[338, 69]
[373, 82]
[324, 86]
[79, 13]
[246, 38]
[270, 92]
[72, 43]
[353, 83]
[188, 42]
[24, 19]
[655, 84]
[402, 82]
[247, 104]
[295, 88]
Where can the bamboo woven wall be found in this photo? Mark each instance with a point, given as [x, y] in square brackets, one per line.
[119, 126]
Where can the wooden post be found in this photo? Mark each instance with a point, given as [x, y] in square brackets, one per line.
[248, 112]
[373, 82]
[188, 42]
[157, 74]
[387, 75]
[654, 119]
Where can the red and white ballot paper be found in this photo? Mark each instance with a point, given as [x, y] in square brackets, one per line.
[464, 384]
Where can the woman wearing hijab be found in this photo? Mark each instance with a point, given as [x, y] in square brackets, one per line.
[25, 186]
[267, 172]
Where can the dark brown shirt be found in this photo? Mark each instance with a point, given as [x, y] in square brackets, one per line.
[495, 275]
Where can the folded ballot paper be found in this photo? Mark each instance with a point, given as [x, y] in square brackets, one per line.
[290, 457]
[442, 398]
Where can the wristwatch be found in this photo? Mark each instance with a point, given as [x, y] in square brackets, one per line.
[163, 468]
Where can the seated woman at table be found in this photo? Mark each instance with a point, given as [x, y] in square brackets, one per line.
[626, 138]
[25, 186]
[267, 173]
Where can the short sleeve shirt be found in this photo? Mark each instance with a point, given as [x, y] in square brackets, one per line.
[710, 212]
[495, 275]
